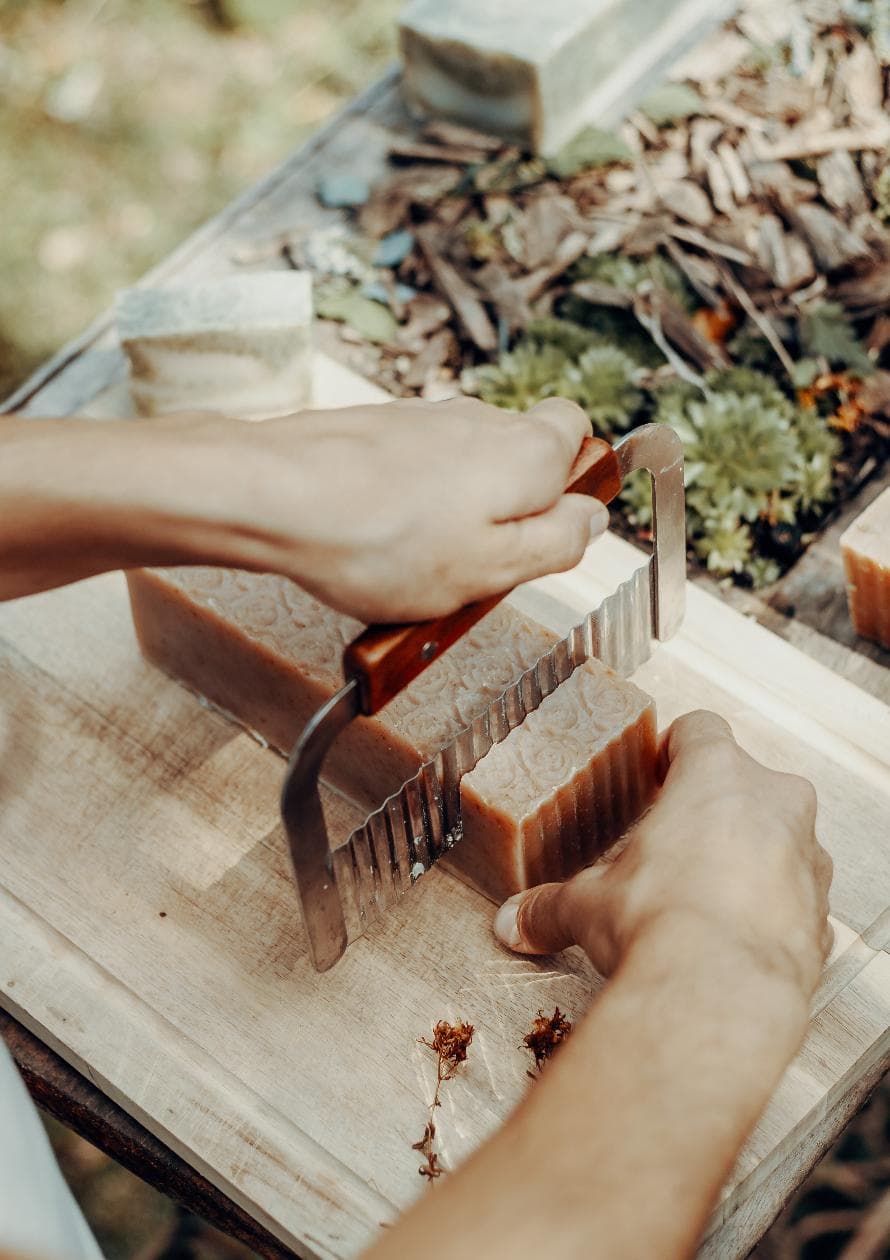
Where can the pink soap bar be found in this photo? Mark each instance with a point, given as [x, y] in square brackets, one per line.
[865, 546]
[561, 788]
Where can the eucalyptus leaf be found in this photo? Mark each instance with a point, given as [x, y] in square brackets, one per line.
[590, 148]
[672, 102]
[370, 319]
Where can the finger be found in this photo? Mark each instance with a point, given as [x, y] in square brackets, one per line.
[544, 447]
[701, 727]
[552, 917]
[532, 922]
[549, 542]
[569, 421]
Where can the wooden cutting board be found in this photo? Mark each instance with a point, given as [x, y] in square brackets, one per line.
[151, 932]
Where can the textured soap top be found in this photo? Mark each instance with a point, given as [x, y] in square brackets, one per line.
[561, 737]
[435, 707]
[260, 299]
[869, 534]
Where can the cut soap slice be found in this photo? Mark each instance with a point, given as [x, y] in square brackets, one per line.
[561, 788]
[866, 551]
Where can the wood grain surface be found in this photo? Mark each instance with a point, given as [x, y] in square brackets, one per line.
[152, 936]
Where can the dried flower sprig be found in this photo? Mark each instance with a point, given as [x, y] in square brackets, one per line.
[450, 1044]
[547, 1033]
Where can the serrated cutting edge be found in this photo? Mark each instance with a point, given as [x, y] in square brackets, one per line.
[344, 890]
[406, 836]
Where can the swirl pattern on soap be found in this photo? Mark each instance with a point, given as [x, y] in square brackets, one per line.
[560, 739]
[275, 612]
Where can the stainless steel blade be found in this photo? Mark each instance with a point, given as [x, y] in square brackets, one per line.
[406, 836]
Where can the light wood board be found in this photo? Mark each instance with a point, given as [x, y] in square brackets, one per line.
[150, 931]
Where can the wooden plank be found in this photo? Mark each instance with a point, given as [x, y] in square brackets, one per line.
[154, 936]
[73, 1100]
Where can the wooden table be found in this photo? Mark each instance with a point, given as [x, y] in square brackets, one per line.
[204, 1130]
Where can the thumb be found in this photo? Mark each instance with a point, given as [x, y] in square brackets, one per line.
[552, 917]
[548, 542]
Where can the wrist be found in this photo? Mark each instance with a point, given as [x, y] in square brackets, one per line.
[755, 979]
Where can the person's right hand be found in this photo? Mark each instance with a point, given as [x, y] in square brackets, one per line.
[728, 844]
[405, 510]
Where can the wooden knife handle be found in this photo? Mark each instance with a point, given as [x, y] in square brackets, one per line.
[384, 659]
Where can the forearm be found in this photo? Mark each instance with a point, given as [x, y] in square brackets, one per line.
[80, 497]
[621, 1148]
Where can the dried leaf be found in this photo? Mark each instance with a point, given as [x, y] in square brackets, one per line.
[450, 133]
[841, 183]
[687, 201]
[462, 296]
[414, 150]
[833, 244]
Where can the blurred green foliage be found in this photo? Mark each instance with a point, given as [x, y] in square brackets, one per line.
[124, 125]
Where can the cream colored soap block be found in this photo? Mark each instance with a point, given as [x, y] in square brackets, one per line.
[536, 72]
[865, 546]
[240, 345]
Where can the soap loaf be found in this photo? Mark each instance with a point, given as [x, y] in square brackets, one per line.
[865, 546]
[263, 650]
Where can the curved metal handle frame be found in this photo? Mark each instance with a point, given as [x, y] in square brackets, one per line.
[658, 449]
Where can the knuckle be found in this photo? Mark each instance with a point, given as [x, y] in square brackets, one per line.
[802, 791]
[542, 444]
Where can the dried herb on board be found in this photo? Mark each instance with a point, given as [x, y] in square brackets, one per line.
[450, 1044]
[547, 1033]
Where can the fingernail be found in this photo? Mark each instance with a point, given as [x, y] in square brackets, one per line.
[599, 521]
[506, 927]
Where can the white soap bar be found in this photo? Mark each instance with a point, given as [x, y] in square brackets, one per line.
[240, 345]
[535, 73]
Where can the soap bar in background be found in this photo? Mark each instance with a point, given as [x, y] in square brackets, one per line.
[536, 73]
[263, 650]
[561, 788]
[865, 546]
[240, 345]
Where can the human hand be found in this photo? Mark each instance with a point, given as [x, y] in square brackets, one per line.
[406, 510]
[728, 845]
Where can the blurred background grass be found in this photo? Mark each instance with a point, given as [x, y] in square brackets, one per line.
[125, 124]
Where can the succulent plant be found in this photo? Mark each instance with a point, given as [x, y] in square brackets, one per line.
[596, 375]
[751, 454]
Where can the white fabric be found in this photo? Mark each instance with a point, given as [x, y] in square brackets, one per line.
[38, 1215]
